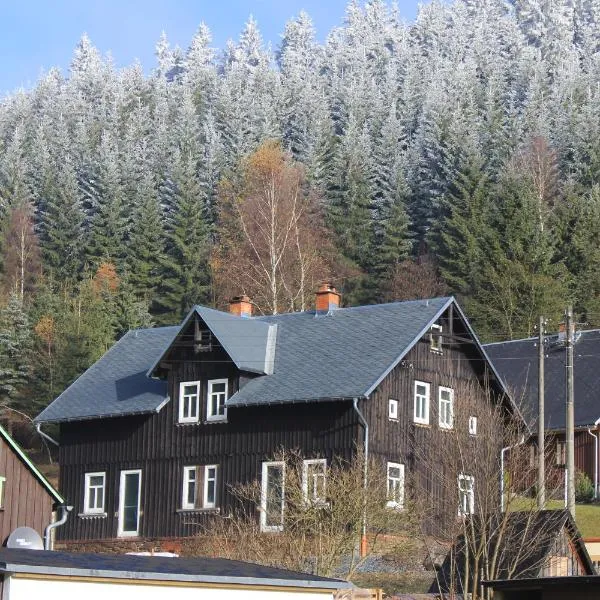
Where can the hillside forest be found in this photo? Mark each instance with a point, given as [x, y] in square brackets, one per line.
[457, 154]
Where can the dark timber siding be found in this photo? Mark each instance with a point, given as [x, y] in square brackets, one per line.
[26, 502]
[161, 448]
[459, 367]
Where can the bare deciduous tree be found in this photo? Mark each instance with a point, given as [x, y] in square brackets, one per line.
[487, 480]
[321, 521]
[272, 245]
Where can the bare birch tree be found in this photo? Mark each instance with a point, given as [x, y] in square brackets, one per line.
[271, 241]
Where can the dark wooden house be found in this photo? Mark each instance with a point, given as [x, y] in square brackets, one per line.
[153, 435]
[26, 497]
[517, 363]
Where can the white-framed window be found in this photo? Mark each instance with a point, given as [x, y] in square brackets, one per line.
[94, 493]
[466, 495]
[393, 409]
[272, 496]
[209, 497]
[314, 480]
[199, 487]
[189, 401]
[473, 425]
[435, 338]
[215, 398]
[395, 485]
[422, 402]
[2, 491]
[446, 408]
[561, 452]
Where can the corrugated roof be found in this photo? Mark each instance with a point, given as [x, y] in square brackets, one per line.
[517, 363]
[117, 383]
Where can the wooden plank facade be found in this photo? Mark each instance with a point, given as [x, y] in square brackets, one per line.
[25, 501]
[160, 446]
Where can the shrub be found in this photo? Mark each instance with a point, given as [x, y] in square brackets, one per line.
[584, 489]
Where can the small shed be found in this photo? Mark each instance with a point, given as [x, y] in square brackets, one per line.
[546, 588]
[26, 497]
[30, 574]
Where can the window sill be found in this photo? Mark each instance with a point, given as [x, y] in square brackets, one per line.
[446, 428]
[187, 423]
[393, 419]
[211, 420]
[394, 506]
[423, 425]
[191, 511]
[84, 515]
[436, 351]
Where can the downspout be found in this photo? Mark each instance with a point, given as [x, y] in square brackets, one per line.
[502, 452]
[595, 436]
[361, 418]
[38, 428]
[65, 510]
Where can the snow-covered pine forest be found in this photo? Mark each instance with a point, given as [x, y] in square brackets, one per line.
[456, 154]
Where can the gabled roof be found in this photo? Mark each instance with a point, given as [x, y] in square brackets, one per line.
[522, 549]
[517, 364]
[117, 383]
[250, 343]
[344, 354]
[34, 470]
[307, 357]
[118, 566]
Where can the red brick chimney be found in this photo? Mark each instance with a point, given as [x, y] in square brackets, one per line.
[240, 306]
[327, 298]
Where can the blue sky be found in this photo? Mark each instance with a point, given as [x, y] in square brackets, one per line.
[38, 34]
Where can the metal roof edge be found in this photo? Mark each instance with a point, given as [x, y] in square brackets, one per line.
[132, 413]
[293, 401]
[21, 454]
[21, 569]
[410, 346]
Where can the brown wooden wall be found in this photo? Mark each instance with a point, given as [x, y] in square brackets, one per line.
[27, 503]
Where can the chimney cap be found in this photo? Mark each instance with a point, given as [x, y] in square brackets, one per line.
[326, 286]
[241, 298]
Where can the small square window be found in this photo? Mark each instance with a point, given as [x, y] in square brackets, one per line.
[435, 339]
[94, 493]
[561, 453]
[473, 425]
[216, 397]
[2, 491]
[393, 409]
[395, 485]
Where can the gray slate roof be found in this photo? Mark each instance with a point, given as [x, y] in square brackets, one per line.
[517, 364]
[343, 354]
[250, 343]
[117, 383]
[201, 569]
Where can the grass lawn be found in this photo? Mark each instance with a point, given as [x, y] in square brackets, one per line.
[587, 516]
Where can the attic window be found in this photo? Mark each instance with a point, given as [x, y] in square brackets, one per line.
[203, 341]
[435, 339]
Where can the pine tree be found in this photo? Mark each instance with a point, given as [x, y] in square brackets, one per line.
[186, 277]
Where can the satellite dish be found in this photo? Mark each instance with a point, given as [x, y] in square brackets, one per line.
[25, 537]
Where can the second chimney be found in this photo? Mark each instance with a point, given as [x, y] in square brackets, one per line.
[327, 298]
[240, 306]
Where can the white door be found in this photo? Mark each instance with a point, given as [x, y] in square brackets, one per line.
[129, 502]
[272, 496]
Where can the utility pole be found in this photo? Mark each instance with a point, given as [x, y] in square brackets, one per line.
[541, 481]
[570, 415]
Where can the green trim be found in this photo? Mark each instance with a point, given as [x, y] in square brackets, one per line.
[19, 452]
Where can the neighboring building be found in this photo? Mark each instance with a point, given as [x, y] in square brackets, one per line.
[26, 497]
[27, 574]
[517, 364]
[521, 545]
[153, 435]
